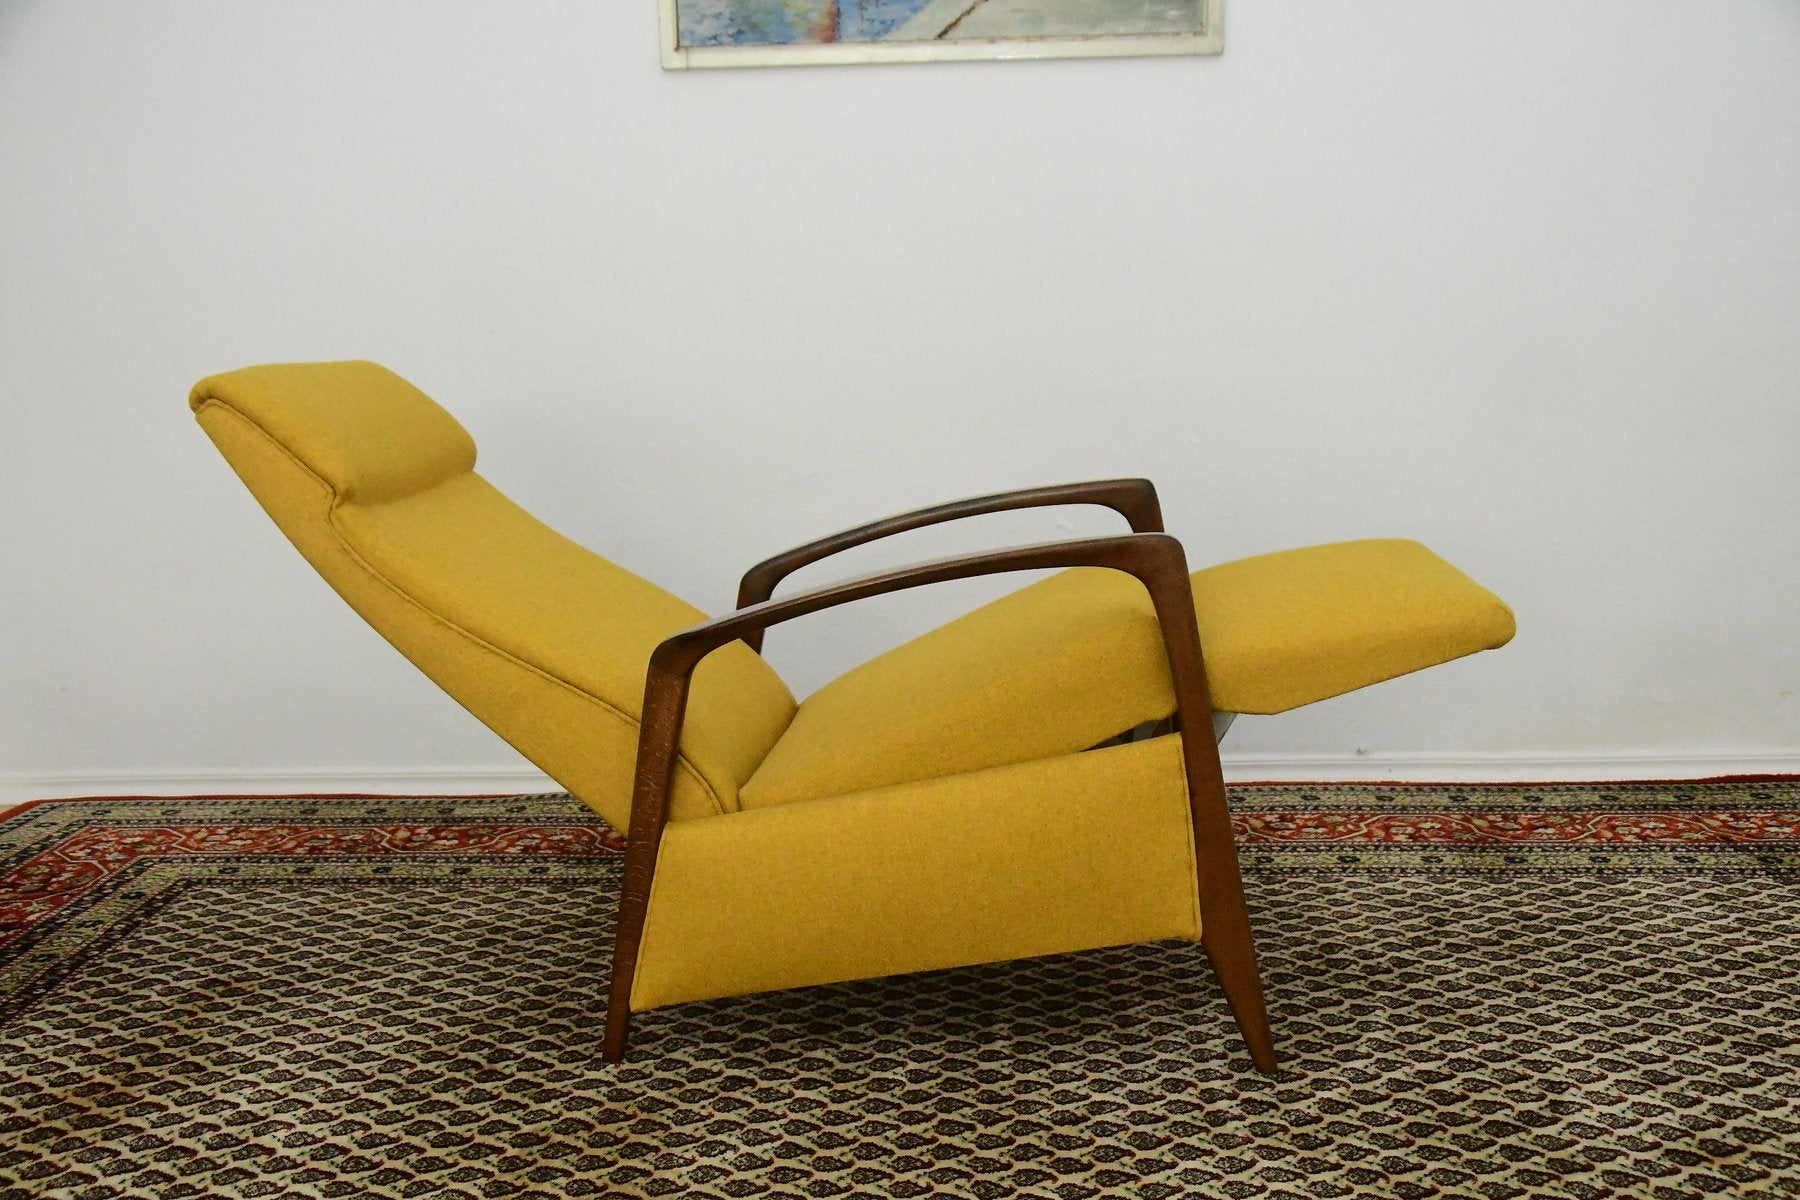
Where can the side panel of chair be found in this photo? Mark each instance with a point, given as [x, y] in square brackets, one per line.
[583, 745]
[1046, 857]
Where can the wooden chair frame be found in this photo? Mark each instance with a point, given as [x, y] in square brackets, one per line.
[1153, 557]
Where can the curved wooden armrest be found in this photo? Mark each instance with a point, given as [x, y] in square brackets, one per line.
[1133, 499]
[1154, 558]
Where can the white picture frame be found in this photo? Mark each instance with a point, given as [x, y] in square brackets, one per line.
[955, 31]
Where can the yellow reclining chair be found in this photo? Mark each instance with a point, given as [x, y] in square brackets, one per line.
[965, 798]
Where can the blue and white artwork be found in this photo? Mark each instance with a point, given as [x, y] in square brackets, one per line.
[709, 23]
[785, 22]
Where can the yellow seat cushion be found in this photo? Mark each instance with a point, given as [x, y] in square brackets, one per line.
[1077, 658]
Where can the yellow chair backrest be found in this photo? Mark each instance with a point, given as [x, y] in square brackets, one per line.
[541, 639]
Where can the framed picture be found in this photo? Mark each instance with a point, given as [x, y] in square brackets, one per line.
[769, 33]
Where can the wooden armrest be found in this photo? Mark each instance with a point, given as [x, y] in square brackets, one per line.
[1154, 558]
[1133, 499]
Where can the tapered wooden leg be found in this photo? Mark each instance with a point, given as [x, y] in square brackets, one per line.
[1225, 934]
[659, 732]
[1243, 989]
[628, 939]
[618, 1016]
[642, 842]
[1224, 921]
[1226, 938]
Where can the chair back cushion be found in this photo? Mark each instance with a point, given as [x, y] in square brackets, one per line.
[541, 639]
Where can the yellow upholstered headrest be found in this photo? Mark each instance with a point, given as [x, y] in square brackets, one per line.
[365, 431]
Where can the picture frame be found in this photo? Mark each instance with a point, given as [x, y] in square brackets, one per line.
[771, 33]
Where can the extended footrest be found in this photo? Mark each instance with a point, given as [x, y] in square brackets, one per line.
[1286, 629]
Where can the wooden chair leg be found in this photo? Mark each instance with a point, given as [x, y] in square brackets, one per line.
[628, 937]
[1225, 920]
[618, 1014]
[1236, 969]
[1227, 941]
[659, 733]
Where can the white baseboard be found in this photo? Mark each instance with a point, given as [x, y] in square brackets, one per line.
[18, 789]
[1503, 768]
[1296, 768]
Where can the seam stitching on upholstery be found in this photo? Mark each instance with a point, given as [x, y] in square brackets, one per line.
[331, 522]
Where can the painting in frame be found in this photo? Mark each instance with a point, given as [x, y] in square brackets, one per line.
[768, 33]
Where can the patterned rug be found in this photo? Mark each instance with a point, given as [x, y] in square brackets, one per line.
[1494, 992]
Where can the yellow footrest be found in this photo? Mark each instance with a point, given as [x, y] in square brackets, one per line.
[1282, 630]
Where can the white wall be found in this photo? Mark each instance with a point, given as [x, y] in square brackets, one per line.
[1521, 280]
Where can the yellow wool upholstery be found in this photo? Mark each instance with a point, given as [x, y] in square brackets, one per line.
[1075, 658]
[1062, 854]
[1291, 628]
[368, 434]
[543, 641]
